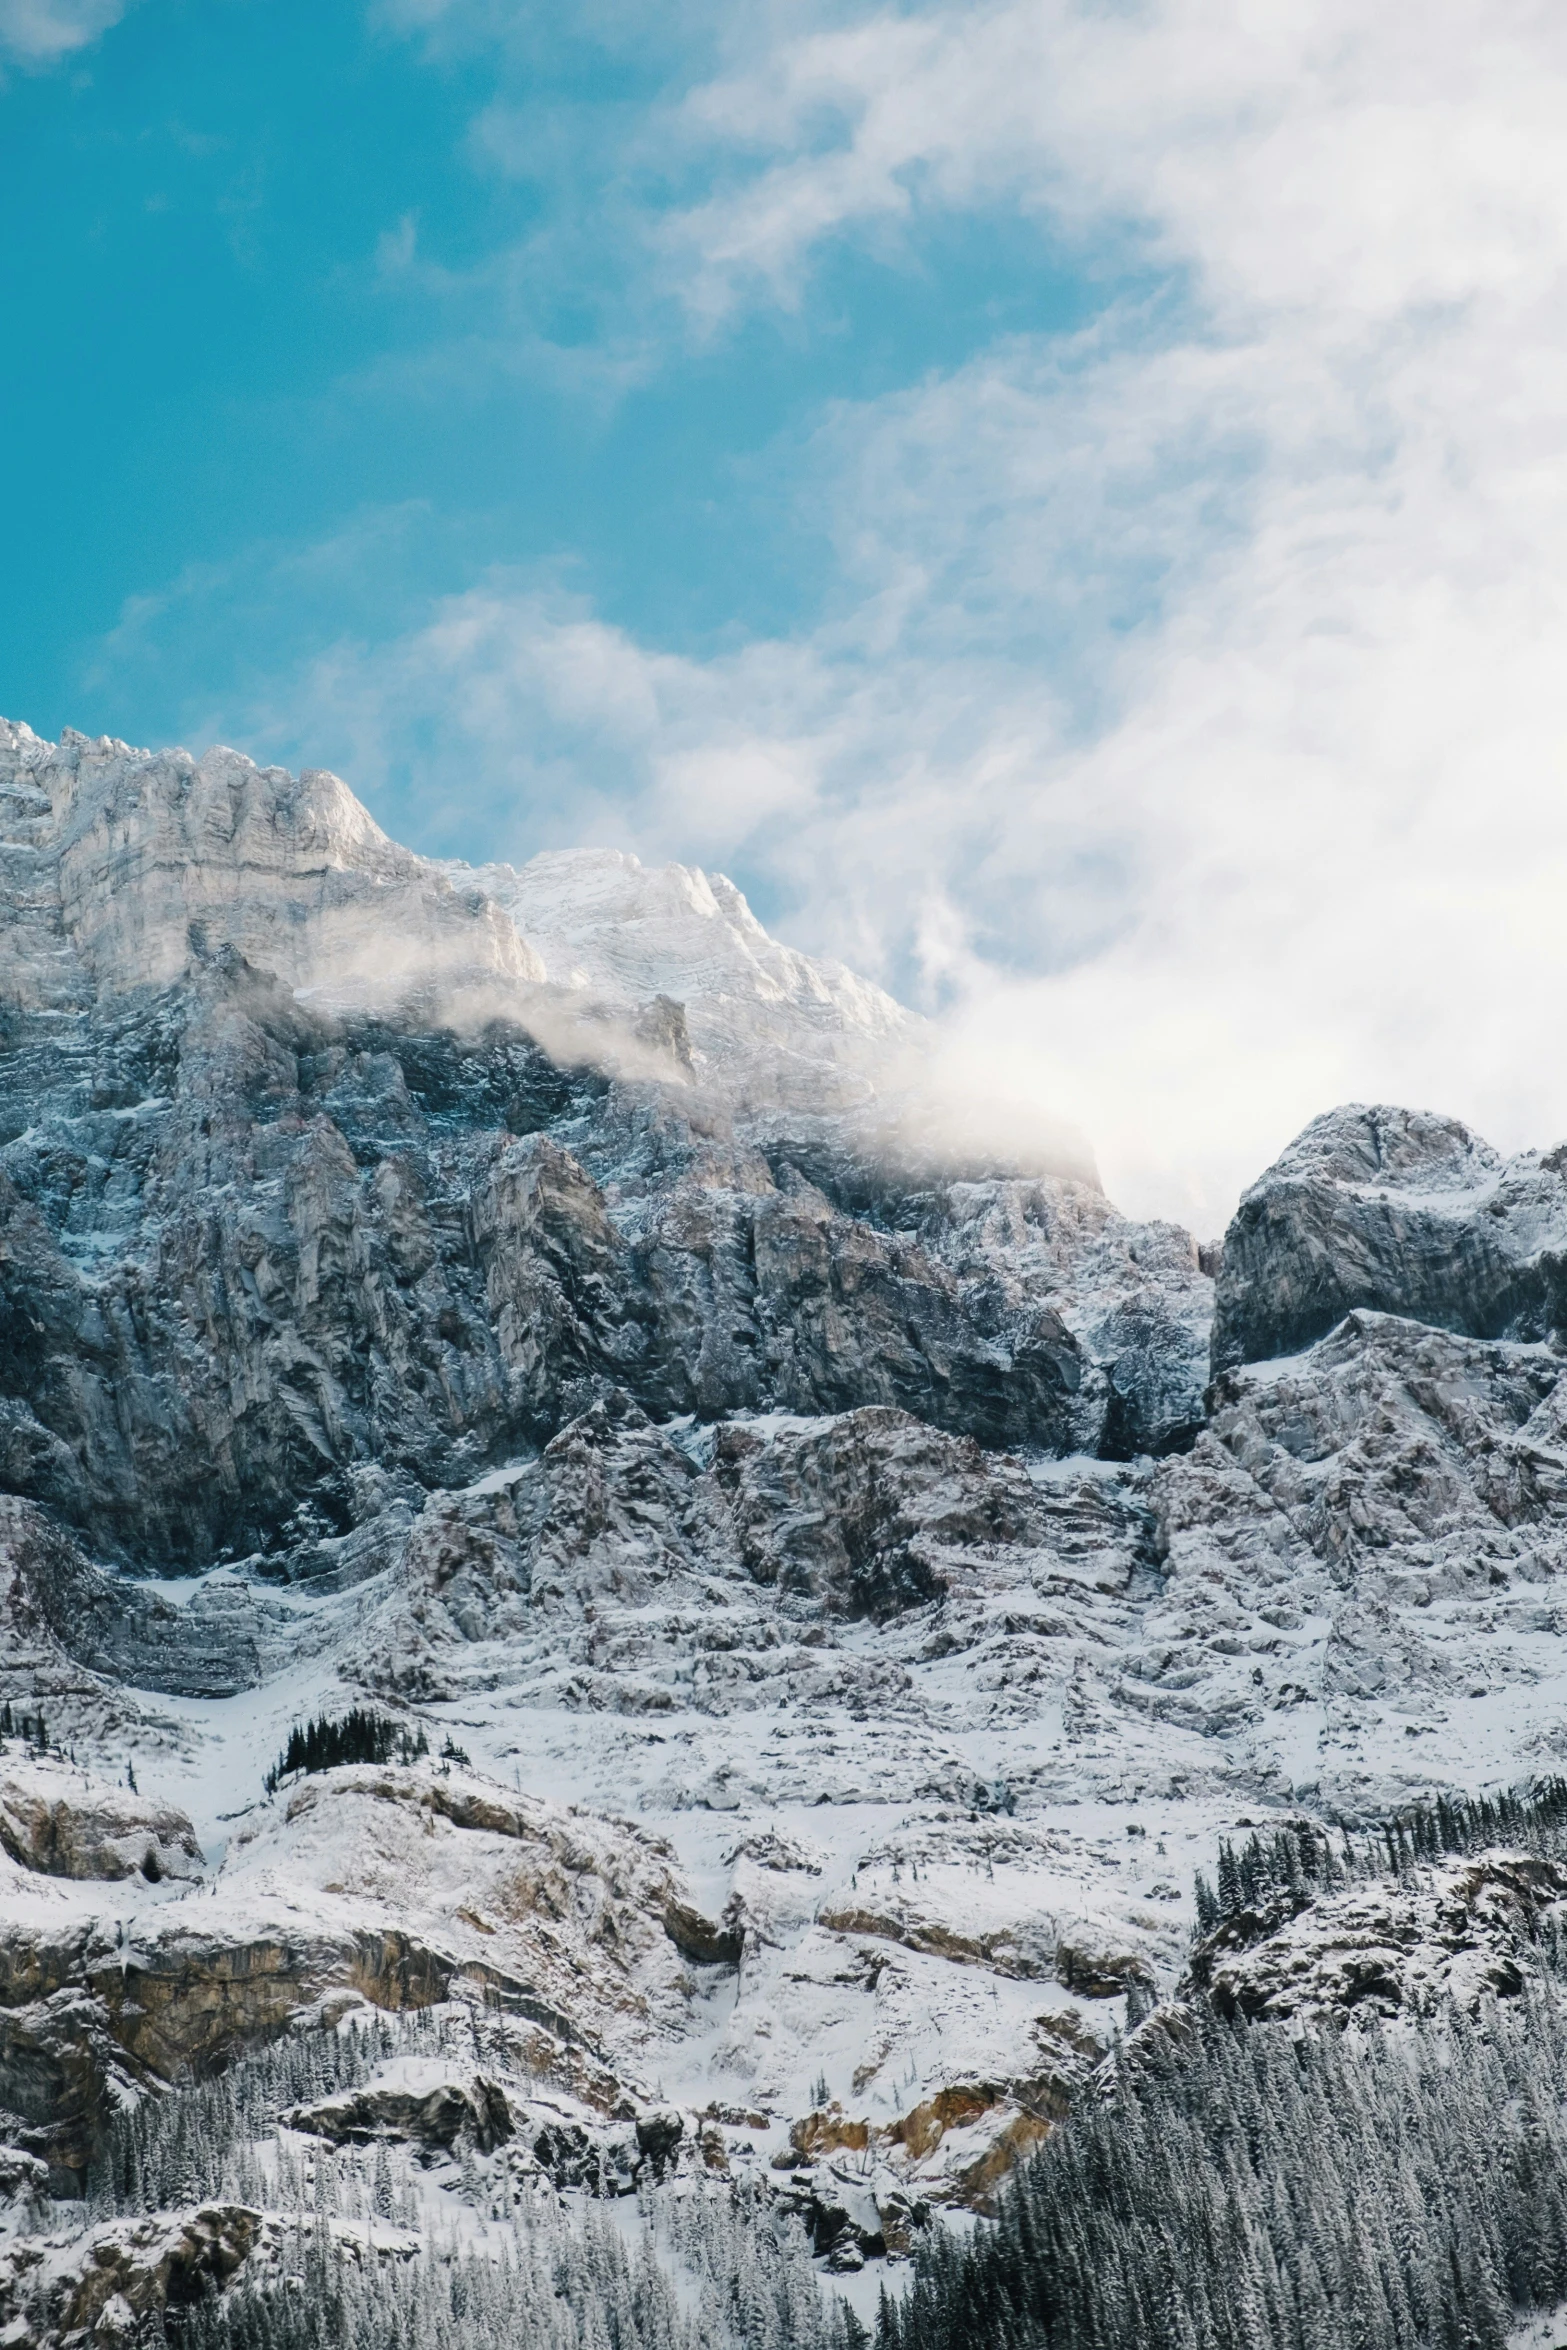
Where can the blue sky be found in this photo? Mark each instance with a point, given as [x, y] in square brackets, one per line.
[297, 277]
[1064, 499]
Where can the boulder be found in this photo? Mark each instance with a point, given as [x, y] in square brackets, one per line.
[420, 2102]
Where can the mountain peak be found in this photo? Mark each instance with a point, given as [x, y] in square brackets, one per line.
[764, 1020]
[116, 863]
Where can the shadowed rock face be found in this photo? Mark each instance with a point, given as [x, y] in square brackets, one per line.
[72, 1630]
[261, 1272]
[858, 1515]
[237, 1268]
[432, 2114]
[1400, 1212]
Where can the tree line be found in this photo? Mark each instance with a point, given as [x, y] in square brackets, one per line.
[1262, 2187]
[359, 1736]
[1226, 2186]
[1301, 1859]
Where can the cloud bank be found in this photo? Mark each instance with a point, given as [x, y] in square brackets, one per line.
[1184, 723]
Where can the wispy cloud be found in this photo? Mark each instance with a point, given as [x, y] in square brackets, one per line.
[1315, 152]
[41, 32]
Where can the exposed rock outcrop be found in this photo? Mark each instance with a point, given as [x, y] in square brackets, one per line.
[384, 1884]
[632, 1563]
[1470, 1930]
[65, 1823]
[1399, 1212]
[870, 2185]
[108, 2286]
[423, 2103]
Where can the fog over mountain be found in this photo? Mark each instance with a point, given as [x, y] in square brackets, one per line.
[624, 1632]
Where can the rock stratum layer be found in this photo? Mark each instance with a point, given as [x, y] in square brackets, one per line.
[826, 1593]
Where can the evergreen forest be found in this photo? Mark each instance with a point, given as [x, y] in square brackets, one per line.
[1224, 2185]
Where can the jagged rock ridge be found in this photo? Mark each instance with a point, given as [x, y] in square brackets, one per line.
[267, 1263]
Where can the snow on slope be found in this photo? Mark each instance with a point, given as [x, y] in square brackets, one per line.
[894, 1751]
[118, 866]
[762, 1018]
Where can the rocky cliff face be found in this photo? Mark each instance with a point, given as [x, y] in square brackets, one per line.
[262, 1269]
[1401, 1212]
[265, 1264]
[838, 1607]
[63, 1822]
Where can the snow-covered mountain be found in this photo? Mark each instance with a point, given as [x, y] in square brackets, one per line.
[121, 865]
[815, 1609]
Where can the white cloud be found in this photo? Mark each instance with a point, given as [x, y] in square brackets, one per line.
[1189, 721]
[42, 32]
[1323, 836]
[1309, 153]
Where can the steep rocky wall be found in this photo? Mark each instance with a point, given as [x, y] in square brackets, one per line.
[378, 1885]
[1401, 1212]
[260, 1271]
